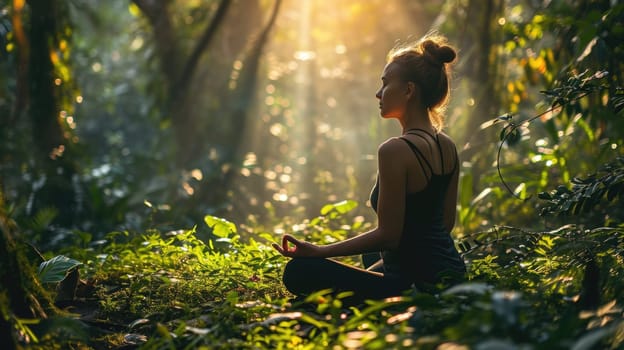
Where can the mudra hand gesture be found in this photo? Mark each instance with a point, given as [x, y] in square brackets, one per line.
[294, 248]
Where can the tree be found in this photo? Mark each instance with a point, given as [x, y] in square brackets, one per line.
[478, 39]
[21, 294]
[52, 143]
[178, 68]
[241, 100]
[210, 83]
[550, 73]
[37, 141]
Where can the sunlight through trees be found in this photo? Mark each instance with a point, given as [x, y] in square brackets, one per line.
[161, 146]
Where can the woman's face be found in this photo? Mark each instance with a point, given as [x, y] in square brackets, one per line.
[393, 93]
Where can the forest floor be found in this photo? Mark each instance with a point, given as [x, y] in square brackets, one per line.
[172, 290]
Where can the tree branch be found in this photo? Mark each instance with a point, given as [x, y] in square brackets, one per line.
[180, 86]
[244, 95]
[252, 62]
[168, 50]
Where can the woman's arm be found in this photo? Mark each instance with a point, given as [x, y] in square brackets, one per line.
[390, 213]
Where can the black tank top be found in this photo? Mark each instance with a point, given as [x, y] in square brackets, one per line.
[426, 251]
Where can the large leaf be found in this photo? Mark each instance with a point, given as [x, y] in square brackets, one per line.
[55, 269]
[341, 207]
[220, 227]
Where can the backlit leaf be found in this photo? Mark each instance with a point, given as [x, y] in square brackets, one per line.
[55, 269]
[220, 227]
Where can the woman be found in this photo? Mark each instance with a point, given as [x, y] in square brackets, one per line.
[414, 197]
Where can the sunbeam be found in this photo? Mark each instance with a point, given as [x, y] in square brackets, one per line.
[313, 133]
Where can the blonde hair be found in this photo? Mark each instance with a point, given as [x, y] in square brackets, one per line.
[426, 63]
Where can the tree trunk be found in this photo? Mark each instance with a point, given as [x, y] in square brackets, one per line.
[243, 97]
[240, 101]
[47, 132]
[48, 135]
[480, 68]
[178, 69]
[167, 44]
[21, 294]
[21, 90]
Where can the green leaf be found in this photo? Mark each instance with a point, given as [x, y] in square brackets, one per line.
[55, 269]
[326, 209]
[220, 227]
[345, 206]
[465, 194]
[341, 207]
[480, 196]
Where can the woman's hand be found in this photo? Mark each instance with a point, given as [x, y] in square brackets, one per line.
[294, 248]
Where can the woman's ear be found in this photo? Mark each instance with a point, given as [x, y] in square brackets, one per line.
[412, 90]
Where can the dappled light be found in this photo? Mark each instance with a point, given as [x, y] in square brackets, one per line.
[316, 111]
[162, 163]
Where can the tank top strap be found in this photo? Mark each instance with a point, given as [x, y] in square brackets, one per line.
[435, 138]
[419, 156]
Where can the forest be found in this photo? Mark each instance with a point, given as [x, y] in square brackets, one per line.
[152, 151]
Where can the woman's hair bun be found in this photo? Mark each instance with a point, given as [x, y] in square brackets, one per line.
[439, 53]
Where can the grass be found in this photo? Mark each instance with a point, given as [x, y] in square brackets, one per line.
[173, 290]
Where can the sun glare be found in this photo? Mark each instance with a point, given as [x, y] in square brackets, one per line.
[315, 121]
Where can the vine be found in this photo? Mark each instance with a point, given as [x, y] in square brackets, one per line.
[574, 90]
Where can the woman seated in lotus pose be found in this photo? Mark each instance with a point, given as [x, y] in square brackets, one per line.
[414, 197]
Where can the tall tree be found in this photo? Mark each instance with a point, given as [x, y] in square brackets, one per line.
[478, 39]
[241, 99]
[178, 68]
[40, 53]
[236, 104]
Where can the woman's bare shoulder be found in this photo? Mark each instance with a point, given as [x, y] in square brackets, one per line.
[391, 143]
[445, 139]
[391, 148]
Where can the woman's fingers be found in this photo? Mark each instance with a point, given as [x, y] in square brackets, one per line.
[278, 248]
[285, 249]
[288, 247]
[284, 243]
[292, 247]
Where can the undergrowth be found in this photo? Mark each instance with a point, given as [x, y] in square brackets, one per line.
[556, 289]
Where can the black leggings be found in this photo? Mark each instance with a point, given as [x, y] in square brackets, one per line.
[303, 276]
